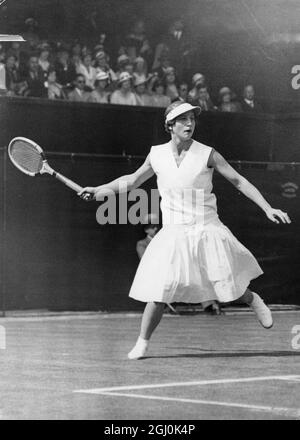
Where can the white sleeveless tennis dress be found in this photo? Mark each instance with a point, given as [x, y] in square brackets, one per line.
[194, 257]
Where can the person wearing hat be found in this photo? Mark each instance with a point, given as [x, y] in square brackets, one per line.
[79, 93]
[170, 84]
[157, 93]
[140, 68]
[87, 69]
[102, 65]
[226, 101]
[123, 95]
[141, 94]
[194, 257]
[100, 95]
[199, 94]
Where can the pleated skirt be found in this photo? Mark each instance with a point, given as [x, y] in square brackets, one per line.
[192, 264]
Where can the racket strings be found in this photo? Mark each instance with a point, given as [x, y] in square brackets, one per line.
[26, 156]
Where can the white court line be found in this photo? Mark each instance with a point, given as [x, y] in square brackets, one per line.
[179, 384]
[291, 412]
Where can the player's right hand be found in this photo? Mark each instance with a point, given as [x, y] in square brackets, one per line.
[87, 194]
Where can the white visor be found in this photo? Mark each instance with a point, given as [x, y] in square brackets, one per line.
[183, 108]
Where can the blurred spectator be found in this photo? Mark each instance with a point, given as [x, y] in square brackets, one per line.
[43, 61]
[31, 35]
[137, 43]
[55, 90]
[121, 63]
[2, 54]
[16, 51]
[123, 95]
[79, 94]
[183, 90]
[170, 84]
[129, 68]
[203, 100]
[162, 64]
[227, 103]
[76, 49]
[178, 45]
[100, 95]
[65, 70]
[76, 61]
[87, 70]
[102, 65]
[249, 103]
[158, 97]
[12, 74]
[34, 79]
[2, 79]
[151, 227]
[140, 68]
[198, 81]
[141, 95]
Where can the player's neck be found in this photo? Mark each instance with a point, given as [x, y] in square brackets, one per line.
[180, 145]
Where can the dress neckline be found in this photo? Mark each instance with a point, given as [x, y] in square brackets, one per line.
[184, 158]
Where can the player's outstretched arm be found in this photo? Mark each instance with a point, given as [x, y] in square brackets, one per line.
[222, 166]
[122, 184]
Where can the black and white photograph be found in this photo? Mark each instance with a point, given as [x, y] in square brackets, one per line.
[150, 215]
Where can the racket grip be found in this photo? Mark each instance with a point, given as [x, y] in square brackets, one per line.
[67, 182]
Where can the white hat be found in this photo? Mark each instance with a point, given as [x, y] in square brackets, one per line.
[180, 109]
[124, 76]
[197, 77]
[101, 76]
[100, 54]
[122, 58]
[224, 91]
[138, 80]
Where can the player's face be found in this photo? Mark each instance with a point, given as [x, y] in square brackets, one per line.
[184, 125]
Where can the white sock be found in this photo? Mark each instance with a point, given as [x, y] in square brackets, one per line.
[139, 350]
[256, 298]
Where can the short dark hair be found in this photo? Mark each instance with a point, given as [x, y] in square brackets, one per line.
[169, 125]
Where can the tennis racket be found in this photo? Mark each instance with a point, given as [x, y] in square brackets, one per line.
[29, 158]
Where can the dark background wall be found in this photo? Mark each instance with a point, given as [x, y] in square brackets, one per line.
[57, 256]
[111, 129]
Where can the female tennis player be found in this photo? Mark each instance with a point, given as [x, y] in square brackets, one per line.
[194, 257]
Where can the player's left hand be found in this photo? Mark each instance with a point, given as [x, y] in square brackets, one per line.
[275, 214]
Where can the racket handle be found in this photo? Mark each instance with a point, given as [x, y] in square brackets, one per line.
[67, 181]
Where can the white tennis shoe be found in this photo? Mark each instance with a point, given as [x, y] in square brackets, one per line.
[139, 350]
[262, 312]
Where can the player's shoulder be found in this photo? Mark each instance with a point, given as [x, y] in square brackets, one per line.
[199, 146]
[159, 148]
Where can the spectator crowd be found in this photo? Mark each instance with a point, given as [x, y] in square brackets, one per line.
[139, 74]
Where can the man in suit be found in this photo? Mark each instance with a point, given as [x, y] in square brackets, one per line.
[249, 103]
[34, 79]
[79, 94]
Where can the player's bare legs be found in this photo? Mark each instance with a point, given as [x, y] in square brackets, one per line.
[151, 318]
[262, 312]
